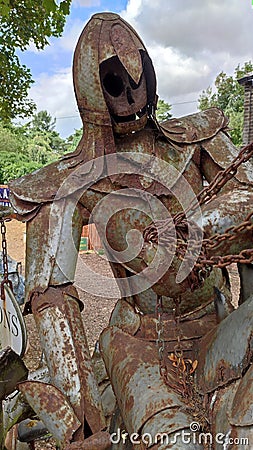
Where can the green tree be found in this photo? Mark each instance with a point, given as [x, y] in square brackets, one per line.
[39, 149]
[14, 156]
[73, 140]
[15, 165]
[26, 148]
[23, 22]
[42, 128]
[10, 140]
[163, 111]
[229, 96]
[43, 121]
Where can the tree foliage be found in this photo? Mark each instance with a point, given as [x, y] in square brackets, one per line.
[229, 96]
[26, 148]
[23, 22]
[73, 140]
[163, 111]
[43, 121]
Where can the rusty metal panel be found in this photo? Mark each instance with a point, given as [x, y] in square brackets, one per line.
[242, 437]
[195, 127]
[108, 400]
[127, 51]
[165, 422]
[12, 370]
[52, 408]
[98, 441]
[125, 317]
[11, 442]
[56, 338]
[226, 211]
[227, 435]
[220, 404]
[64, 342]
[219, 363]
[242, 408]
[117, 429]
[133, 368]
[92, 401]
[50, 237]
[15, 408]
[226, 156]
[189, 330]
[139, 168]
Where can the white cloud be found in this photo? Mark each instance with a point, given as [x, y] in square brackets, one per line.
[191, 41]
[55, 94]
[194, 25]
[132, 10]
[173, 69]
[70, 37]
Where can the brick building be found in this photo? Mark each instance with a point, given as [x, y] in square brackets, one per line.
[247, 82]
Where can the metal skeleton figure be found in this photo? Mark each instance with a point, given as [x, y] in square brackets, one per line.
[173, 370]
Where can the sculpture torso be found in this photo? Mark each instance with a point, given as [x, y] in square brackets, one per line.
[125, 203]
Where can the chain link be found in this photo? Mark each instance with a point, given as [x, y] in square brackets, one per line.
[182, 368]
[209, 192]
[5, 260]
[159, 327]
[177, 317]
[160, 343]
[165, 229]
[162, 228]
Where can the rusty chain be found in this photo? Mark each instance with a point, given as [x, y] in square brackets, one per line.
[160, 342]
[5, 260]
[164, 229]
[209, 192]
[159, 327]
[182, 368]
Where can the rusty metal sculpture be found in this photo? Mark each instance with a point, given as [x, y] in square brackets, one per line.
[175, 373]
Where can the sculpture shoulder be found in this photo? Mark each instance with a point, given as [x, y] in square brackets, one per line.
[210, 130]
[195, 127]
[52, 182]
[222, 151]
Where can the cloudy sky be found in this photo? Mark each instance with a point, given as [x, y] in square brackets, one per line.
[189, 41]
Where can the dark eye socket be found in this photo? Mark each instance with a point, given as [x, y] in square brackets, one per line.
[113, 84]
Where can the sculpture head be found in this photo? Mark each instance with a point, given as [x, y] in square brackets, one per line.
[114, 78]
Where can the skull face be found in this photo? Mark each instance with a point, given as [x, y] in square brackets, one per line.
[126, 100]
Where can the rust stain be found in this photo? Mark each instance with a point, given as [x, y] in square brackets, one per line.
[98, 441]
